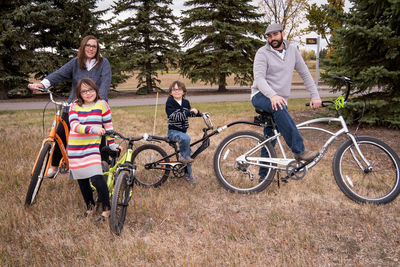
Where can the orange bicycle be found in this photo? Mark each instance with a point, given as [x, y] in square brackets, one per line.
[43, 159]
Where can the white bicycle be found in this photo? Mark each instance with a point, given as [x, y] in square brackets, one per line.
[365, 168]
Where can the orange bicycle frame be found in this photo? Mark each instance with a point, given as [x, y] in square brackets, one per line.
[54, 137]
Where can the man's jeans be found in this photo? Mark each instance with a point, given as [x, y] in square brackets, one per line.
[183, 140]
[284, 123]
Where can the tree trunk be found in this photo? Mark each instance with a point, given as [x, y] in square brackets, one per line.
[3, 92]
[148, 84]
[222, 82]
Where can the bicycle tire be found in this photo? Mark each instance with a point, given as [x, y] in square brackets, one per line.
[119, 202]
[236, 177]
[150, 177]
[382, 185]
[37, 175]
[105, 168]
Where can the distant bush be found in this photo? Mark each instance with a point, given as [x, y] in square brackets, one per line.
[374, 109]
[308, 55]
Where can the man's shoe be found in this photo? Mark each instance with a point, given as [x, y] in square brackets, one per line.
[191, 179]
[51, 172]
[307, 155]
[185, 160]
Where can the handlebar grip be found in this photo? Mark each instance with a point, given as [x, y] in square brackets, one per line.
[323, 103]
[154, 137]
[111, 133]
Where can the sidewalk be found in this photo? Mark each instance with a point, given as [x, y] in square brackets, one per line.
[128, 97]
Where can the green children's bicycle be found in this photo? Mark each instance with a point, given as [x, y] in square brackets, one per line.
[120, 179]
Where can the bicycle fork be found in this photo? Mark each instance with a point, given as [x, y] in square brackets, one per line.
[361, 155]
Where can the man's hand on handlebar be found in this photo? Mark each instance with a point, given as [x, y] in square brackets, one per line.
[315, 103]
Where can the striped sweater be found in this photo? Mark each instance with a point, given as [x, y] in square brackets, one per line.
[178, 114]
[83, 143]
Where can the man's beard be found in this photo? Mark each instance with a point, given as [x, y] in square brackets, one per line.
[277, 44]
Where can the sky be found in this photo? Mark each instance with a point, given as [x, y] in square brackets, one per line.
[178, 6]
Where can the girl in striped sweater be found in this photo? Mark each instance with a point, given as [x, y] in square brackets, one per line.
[89, 117]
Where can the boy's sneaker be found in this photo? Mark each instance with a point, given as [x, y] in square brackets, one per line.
[307, 155]
[191, 179]
[185, 160]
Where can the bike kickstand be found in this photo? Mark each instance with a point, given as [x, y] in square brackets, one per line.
[279, 179]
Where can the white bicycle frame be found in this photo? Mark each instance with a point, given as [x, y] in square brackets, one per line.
[271, 162]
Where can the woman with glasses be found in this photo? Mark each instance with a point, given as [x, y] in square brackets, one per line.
[89, 63]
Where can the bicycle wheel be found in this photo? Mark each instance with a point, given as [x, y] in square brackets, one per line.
[38, 174]
[378, 185]
[119, 202]
[241, 177]
[150, 174]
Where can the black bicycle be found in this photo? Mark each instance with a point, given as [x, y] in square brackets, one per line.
[154, 165]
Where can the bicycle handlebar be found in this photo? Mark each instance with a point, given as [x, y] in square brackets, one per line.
[113, 133]
[207, 120]
[44, 90]
[344, 79]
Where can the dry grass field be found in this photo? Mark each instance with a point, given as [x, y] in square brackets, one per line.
[302, 223]
[168, 78]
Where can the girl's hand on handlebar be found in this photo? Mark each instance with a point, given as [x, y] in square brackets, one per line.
[34, 86]
[195, 111]
[120, 148]
[98, 130]
[315, 103]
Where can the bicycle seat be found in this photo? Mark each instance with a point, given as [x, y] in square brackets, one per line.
[263, 112]
[264, 118]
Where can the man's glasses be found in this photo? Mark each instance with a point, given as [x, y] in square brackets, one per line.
[91, 46]
[85, 92]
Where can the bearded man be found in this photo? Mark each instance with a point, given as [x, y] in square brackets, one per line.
[273, 71]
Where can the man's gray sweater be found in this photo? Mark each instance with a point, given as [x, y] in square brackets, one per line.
[273, 75]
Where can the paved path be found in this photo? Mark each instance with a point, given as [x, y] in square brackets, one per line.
[25, 104]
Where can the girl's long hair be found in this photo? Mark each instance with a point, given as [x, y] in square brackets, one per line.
[81, 52]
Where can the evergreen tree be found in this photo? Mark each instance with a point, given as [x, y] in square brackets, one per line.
[14, 40]
[220, 36]
[38, 37]
[59, 27]
[145, 41]
[367, 48]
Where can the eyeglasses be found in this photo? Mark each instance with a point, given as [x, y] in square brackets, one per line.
[177, 90]
[91, 46]
[85, 92]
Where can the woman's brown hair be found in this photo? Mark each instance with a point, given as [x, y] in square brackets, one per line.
[181, 86]
[89, 82]
[81, 52]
